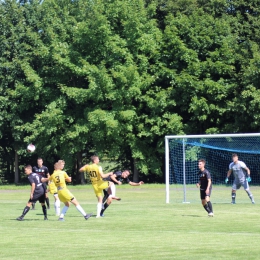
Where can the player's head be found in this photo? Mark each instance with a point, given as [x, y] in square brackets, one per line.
[28, 169]
[234, 157]
[40, 162]
[57, 166]
[201, 163]
[94, 159]
[125, 173]
[62, 164]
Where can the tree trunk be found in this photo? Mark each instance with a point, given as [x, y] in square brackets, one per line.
[136, 173]
[16, 173]
[80, 175]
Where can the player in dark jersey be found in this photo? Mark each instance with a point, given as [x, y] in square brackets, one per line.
[37, 192]
[205, 185]
[44, 172]
[118, 177]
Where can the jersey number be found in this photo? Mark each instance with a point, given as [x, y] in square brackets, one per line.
[93, 174]
[57, 179]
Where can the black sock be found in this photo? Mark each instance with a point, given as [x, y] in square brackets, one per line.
[105, 207]
[47, 202]
[33, 205]
[25, 211]
[105, 196]
[233, 194]
[210, 206]
[206, 207]
[44, 210]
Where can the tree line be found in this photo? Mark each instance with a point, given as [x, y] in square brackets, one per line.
[113, 77]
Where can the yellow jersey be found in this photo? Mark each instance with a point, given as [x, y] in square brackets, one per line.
[93, 171]
[59, 179]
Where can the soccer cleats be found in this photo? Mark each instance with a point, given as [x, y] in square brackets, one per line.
[211, 214]
[88, 216]
[20, 218]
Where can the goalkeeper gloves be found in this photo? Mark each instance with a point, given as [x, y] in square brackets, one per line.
[226, 180]
[248, 179]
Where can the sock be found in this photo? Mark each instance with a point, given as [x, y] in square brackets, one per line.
[25, 211]
[57, 207]
[81, 210]
[206, 207]
[33, 205]
[233, 197]
[47, 202]
[210, 206]
[105, 196]
[44, 210]
[250, 195]
[63, 212]
[113, 190]
[99, 207]
[102, 211]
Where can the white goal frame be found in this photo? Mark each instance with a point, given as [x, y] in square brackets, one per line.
[167, 157]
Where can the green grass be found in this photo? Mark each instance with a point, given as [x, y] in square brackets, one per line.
[141, 226]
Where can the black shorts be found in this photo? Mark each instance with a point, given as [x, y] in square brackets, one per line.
[203, 194]
[38, 197]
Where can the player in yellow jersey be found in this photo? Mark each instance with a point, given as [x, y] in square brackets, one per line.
[60, 177]
[53, 190]
[96, 175]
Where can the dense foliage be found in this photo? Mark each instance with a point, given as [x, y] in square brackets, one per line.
[114, 77]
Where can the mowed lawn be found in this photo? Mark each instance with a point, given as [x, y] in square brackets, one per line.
[140, 226]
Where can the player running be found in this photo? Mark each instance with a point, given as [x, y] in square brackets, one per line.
[239, 170]
[205, 185]
[60, 178]
[37, 192]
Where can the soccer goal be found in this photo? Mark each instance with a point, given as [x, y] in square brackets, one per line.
[183, 152]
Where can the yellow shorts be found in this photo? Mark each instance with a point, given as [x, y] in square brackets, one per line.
[65, 195]
[99, 187]
[52, 188]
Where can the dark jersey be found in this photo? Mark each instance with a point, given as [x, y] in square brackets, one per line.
[203, 177]
[36, 178]
[118, 177]
[43, 171]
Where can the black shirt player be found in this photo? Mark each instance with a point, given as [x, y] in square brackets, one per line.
[118, 177]
[205, 185]
[37, 191]
[44, 172]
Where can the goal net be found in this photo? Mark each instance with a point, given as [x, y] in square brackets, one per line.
[183, 152]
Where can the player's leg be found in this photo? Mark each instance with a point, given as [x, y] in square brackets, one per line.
[26, 209]
[62, 197]
[44, 209]
[56, 204]
[47, 200]
[112, 191]
[80, 209]
[249, 193]
[235, 187]
[203, 200]
[105, 196]
[33, 205]
[108, 202]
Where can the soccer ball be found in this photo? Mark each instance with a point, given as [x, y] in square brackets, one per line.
[31, 148]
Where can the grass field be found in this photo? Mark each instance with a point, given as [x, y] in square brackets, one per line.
[141, 226]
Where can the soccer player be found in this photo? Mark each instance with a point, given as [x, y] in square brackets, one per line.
[205, 185]
[118, 177]
[239, 170]
[60, 178]
[37, 192]
[53, 190]
[96, 174]
[44, 172]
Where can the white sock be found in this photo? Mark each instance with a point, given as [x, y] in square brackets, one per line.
[113, 190]
[63, 212]
[81, 210]
[99, 207]
[57, 207]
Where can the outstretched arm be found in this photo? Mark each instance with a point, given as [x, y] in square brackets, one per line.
[136, 183]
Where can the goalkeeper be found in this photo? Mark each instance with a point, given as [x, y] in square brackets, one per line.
[239, 170]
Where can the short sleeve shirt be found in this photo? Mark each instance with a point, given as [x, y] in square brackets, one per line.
[204, 176]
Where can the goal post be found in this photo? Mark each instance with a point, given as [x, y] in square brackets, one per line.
[182, 153]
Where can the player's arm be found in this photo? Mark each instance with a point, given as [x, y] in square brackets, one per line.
[209, 183]
[105, 175]
[113, 178]
[136, 183]
[229, 173]
[45, 179]
[198, 184]
[32, 190]
[82, 169]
